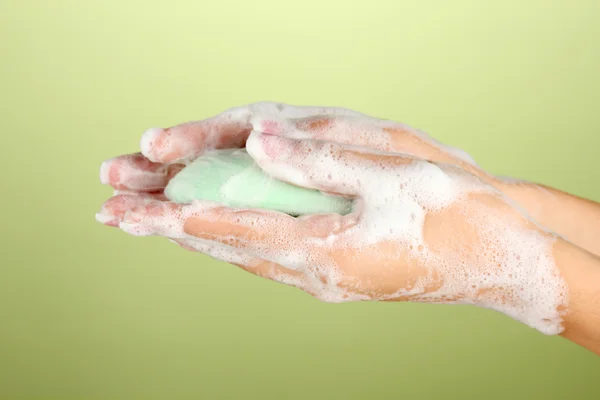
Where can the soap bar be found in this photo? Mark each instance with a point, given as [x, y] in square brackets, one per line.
[232, 178]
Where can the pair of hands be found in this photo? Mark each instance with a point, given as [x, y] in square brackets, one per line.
[429, 224]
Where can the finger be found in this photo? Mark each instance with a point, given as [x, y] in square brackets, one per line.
[268, 235]
[324, 166]
[352, 130]
[185, 142]
[382, 135]
[272, 236]
[230, 129]
[134, 172]
[113, 210]
[165, 218]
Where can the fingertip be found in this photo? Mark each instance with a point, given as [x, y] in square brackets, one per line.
[254, 146]
[105, 172]
[149, 142]
[262, 146]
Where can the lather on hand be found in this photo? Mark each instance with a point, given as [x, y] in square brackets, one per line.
[429, 225]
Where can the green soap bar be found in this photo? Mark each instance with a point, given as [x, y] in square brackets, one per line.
[232, 178]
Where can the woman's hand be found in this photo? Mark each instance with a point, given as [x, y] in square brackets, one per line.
[435, 231]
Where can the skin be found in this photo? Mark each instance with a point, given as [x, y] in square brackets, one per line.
[335, 258]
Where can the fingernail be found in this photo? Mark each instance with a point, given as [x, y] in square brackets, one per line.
[267, 126]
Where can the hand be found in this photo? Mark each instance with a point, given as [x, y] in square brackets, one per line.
[422, 231]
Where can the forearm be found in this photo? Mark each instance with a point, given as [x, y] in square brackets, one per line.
[575, 219]
[581, 272]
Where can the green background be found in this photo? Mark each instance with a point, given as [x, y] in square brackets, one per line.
[88, 312]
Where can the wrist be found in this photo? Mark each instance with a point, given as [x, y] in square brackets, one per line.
[531, 198]
[573, 218]
[581, 272]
